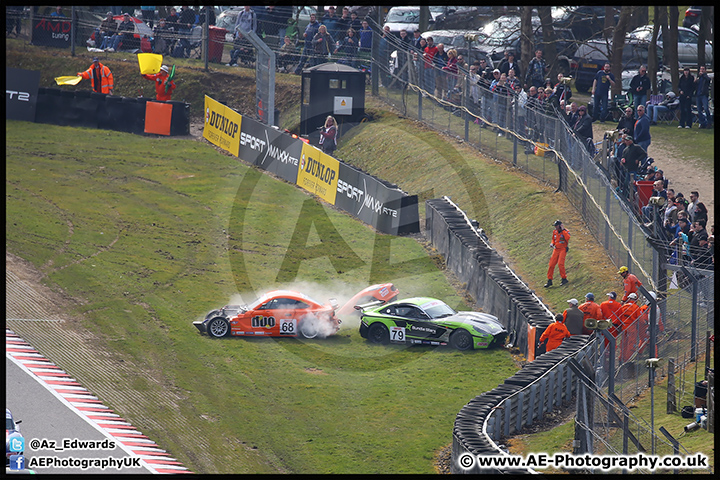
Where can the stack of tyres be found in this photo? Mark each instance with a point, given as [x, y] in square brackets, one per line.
[180, 123]
[49, 105]
[111, 117]
[83, 111]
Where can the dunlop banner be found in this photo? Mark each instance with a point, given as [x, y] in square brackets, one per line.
[270, 149]
[318, 173]
[222, 126]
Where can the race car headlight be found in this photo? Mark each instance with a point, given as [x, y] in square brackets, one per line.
[480, 330]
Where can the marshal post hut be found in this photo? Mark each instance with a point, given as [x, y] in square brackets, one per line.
[331, 89]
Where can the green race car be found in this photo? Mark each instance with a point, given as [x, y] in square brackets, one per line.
[429, 321]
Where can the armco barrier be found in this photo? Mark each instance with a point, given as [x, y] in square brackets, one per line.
[522, 399]
[493, 285]
[376, 202]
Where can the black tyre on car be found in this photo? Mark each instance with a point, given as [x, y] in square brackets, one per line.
[218, 327]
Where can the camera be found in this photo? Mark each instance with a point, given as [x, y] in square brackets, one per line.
[566, 80]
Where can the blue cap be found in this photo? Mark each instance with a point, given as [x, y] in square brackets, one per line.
[590, 296]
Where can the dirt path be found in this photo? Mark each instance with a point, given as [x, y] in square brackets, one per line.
[684, 175]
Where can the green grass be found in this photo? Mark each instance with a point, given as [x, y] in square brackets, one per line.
[135, 226]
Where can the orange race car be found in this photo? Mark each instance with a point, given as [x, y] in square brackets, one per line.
[284, 313]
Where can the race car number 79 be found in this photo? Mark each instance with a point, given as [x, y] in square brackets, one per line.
[397, 334]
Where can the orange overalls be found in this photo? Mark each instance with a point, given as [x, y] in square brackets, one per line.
[160, 79]
[629, 313]
[590, 310]
[560, 241]
[611, 311]
[630, 284]
[104, 75]
[555, 333]
[644, 326]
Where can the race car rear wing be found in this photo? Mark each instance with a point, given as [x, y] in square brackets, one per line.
[371, 304]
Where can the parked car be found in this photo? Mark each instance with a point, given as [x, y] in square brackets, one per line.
[592, 55]
[687, 43]
[585, 21]
[455, 17]
[503, 34]
[407, 18]
[692, 16]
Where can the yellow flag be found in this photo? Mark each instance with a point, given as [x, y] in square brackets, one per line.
[149, 63]
[74, 80]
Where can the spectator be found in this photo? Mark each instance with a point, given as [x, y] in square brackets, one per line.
[502, 95]
[208, 12]
[385, 46]
[162, 37]
[269, 25]
[473, 79]
[13, 20]
[310, 30]
[450, 70]
[705, 258]
[554, 334]
[604, 79]
[416, 40]
[658, 191]
[247, 20]
[342, 24]
[699, 238]
[365, 35]
[670, 217]
[639, 86]
[681, 239]
[148, 15]
[629, 313]
[686, 90]
[287, 55]
[572, 115]
[610, 310]
[513, 82]
[642, 129]
[126, 32]
[100, 76]
[694, 195]
[330, 20]
[560, 244]
[172, 20]
[536, 70]
[58, 12]
[573, 318]
[323, 44]
[669, 101]
[632, 157]
[591, 310]
[509, 63]
[700, 213]
[659, 175]
[583, 128]
[355, 23]
[242, 51]
[402, 53]
[440, 61]
[429, 66]
[348, 48]
[561, 90]
[185, 24]
[329, 134]
[702, 89]
[283, 14]
[163, 85]
[630, 283]
[106, 35]
[627, 121]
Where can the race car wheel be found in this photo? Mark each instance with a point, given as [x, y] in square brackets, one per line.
[309, 328]
[378, 333]
[218, 327]
[461, 339]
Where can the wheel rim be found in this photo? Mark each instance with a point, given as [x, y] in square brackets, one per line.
[463, 340]
[377, 333]
[308, 329]
[218, 327]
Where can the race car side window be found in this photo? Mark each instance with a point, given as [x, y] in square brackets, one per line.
[284, 304]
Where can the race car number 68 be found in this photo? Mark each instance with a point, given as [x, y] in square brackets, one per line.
[397, 334]
[288, 326]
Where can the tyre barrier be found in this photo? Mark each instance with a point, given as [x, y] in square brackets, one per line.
[537, 388]
[88, 109]
[490, 281]
[522, 399]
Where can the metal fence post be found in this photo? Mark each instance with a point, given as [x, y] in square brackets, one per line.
[671, 399]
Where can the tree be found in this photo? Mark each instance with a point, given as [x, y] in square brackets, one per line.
[618, 45]
[670, 45]
[424, 19]
[549, 38]
[526, 35]
[705, 31]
